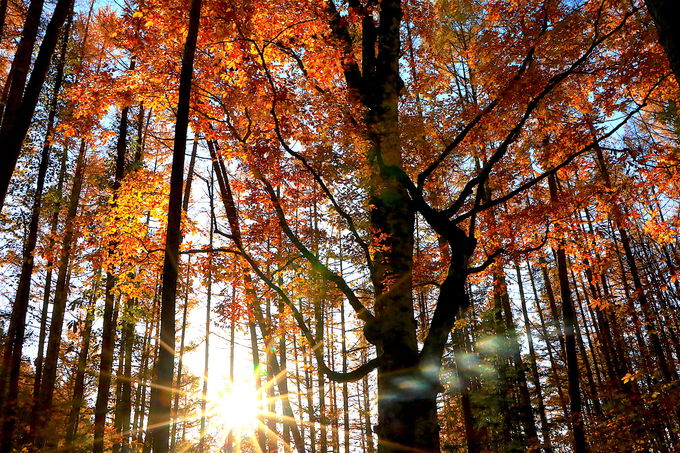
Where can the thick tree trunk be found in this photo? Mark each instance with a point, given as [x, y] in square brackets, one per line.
[13, 89]
[407, 415]
[665, 15]
[161, 392]
[12, 353]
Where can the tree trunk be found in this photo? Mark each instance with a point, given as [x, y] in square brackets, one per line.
[180, 364]
[161, 392]
[54, 223]
[471, 434]
[525, 410]
[545, 428]
[109, 328]
[208, 308]
[345, 392]
[570, 326]
[79, 385]
[546, 338]
[124, 381]
[665, 14]
[43, 405]
[21, 103]
[14, 348]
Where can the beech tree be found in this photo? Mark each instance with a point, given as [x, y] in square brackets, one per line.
[413, 226]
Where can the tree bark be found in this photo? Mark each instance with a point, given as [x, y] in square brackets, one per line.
[43, 405]
[109, 327]
[570, 326]
[665, 14]
[545, 428]
[161, 392]
[79, 385]
[21, 103]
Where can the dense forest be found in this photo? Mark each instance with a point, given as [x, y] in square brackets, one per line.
[339, 226]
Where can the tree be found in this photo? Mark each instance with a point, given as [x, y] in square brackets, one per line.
[161, 392]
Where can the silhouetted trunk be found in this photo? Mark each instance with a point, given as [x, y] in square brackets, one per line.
[551, 357]
[668, 372]
[665, 15]
[12, 353]
[161, 392]
[570, 326]
[525, 410]
[123, 413]
[545, 428]
[109, 327]
[260, 434]
[180, 363]
[79, 382]
[13, 350]
[13, 89]
[503, 391]
[54, 223]
[43, 405]
[584, 356]
[367, 424]
[471, 434]
[185, 208]
[20, 105]
[3, 17]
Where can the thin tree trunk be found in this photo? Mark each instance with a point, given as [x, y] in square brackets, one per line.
[546, 338]
[43, 405]
[54, 223]
[525, 410]
[208, 307]
[545, 427]
[345, 392]
[471, 434]
[180, 364]
[570, 327]
[368, 426]
[109, 327]
[79, 382]
[261, 438]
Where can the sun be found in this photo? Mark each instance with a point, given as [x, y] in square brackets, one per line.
[237, 407]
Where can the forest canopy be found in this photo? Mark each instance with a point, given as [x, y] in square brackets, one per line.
[339, 226]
